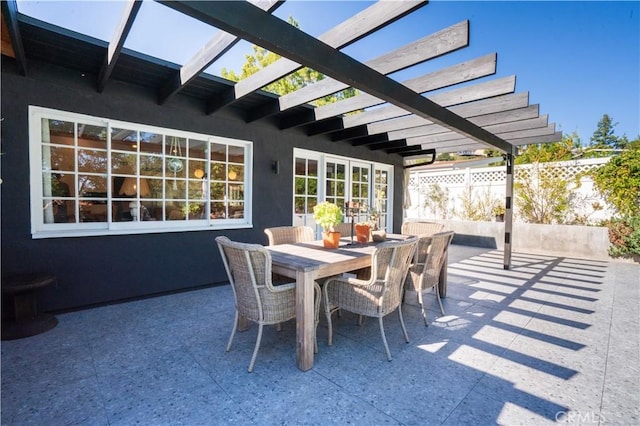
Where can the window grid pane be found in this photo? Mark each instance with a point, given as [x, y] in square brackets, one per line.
[94, 173]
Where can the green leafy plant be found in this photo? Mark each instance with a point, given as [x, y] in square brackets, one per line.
[477, 208]
[619, 180]
[437, 200]
[327, 215]
[542, 198]
[498, 210]
[624, 235]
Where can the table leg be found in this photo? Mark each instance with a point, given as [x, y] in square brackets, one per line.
[305, 320]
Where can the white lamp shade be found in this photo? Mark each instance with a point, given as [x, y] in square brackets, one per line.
[129, 187]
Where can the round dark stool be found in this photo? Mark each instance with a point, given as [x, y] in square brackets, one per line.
[25, 320]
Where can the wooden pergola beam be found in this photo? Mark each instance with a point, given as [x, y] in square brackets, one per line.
[487, 121]
[455, 74]
[259, 27]
[440, 43]
[549, 138]
[10, 14]
[502, 129]
[497, 87]
[505, 109]
[515, 137]
[468, 110]
[353, 29]
[210, 52]
[116, 44]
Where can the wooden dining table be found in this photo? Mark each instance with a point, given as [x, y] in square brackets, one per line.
[307, 262]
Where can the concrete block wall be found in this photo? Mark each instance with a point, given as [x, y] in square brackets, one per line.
[589, 242]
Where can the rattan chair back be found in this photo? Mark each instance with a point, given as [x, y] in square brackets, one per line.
[424, 273]
[421, 228]
[289, 234]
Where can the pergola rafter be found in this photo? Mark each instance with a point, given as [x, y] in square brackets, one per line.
[10, 18]
[497, 87]
[213, 50]
[117, 43]
[360, 25]
[432, 46]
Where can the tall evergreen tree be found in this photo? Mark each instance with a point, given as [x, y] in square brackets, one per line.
[603, 139]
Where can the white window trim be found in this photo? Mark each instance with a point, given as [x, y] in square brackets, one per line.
[39, 229]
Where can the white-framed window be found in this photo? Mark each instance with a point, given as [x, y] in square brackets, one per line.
[340, 180]
[97, 176]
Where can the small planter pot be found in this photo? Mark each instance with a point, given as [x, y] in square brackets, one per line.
[362, 233]
[331, 239]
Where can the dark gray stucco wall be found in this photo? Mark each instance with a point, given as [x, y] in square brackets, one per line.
[97, 270]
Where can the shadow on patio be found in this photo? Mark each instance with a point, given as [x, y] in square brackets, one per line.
[552, 339]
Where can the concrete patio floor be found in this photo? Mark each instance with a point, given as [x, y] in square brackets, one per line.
[554, 339]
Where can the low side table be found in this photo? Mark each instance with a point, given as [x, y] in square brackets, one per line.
[26, 320]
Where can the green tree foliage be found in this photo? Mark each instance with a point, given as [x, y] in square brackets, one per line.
[549, 152]
[445, 156]
[262, 58]
[619, 180]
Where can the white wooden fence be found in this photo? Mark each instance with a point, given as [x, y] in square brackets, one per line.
[488, 184]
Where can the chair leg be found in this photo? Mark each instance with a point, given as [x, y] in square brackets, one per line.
[255, 351]
[327, 312]
[233, 331]
[404, 329]
[316, 313]
[424, 314]
[438, 297]
[384, 339]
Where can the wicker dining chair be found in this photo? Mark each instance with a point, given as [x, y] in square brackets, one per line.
[421, 228]
[289, 234]
[379, 295]
[424, 273]
[248, 268]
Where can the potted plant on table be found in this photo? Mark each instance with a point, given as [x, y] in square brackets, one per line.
[328, 215]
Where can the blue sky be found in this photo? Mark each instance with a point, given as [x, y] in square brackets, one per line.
[577, 59]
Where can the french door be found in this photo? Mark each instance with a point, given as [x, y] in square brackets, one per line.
[321, 177]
